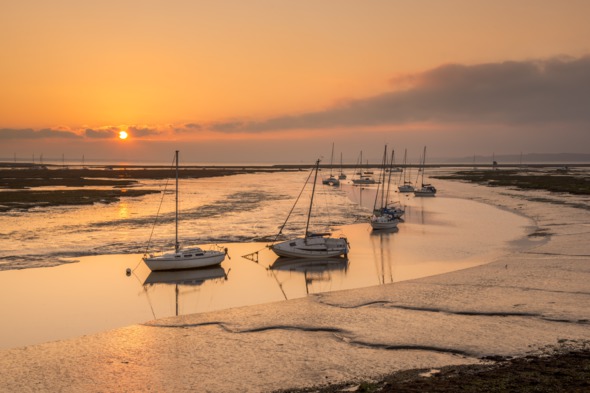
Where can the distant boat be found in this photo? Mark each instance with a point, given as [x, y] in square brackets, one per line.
[363, 177]
[427, 190]
[383, 218]
[407, 185]
[183, 258]
[311, 245]
[331, 180]
[342, 175]
[407, 188]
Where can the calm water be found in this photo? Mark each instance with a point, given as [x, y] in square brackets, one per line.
[42, 303]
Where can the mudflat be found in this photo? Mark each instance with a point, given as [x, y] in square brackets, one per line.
[516, 310]
[88, 186]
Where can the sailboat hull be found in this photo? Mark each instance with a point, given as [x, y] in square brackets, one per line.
[184, 259]
[381, 223]
[311, 248]
[424, 194]
[364, 181]
[406, 188]
[331, 181]
[427, 190]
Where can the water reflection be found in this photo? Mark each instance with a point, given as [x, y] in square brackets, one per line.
[185, 277]
[185, 283]
[315, 275]
[123, 209]
[382, 242]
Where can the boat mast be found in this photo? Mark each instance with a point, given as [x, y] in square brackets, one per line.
[317, 165]
[176, 244]
[423, 165]
[381, 180]
[331, 159]
[404, 168]
[389, 178]
[361, 166]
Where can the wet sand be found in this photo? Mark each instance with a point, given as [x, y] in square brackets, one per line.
[518, 305]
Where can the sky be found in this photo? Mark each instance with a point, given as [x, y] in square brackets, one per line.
[280, 81]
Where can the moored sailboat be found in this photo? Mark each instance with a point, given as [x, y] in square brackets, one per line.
[427, 190]
[183, 258]
[383, 217]
[342, 175]
[406, 186]
[364, 177]
[331, 180]
[311, 245]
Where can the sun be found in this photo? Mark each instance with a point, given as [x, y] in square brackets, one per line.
[123, 135]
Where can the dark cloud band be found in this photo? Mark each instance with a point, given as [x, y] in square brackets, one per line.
[28, 133]
[511, 93]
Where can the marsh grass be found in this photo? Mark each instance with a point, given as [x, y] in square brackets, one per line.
[554, 182]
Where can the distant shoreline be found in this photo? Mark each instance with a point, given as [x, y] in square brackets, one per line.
[275, 167]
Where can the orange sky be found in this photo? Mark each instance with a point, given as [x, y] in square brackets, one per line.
[159, 66]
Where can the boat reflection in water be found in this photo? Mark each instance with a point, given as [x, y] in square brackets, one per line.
[383, 257]
[185, 277]
[308, 271]
[188, 280]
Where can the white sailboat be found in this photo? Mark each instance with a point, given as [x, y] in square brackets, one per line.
[183, 258]
[427, 190]
[383, 217]
[331, 180]
[365, 177]
[311, 245]
[407, 185]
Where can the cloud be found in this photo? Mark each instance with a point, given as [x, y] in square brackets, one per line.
[28, 133]
[532, 92]
[139, 132]
[189, 128]
[105, 132]
[111, 132]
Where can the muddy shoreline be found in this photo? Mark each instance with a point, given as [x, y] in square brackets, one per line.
[561, 369]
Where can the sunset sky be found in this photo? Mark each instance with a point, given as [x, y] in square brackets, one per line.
[279, 81]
